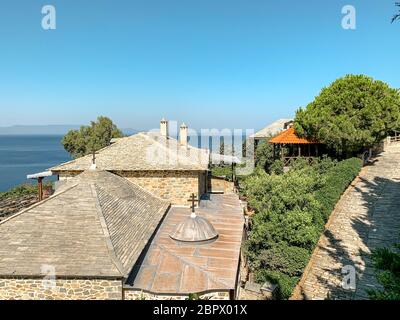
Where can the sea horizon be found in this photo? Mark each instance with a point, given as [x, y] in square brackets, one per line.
[25, 154]
[22, 154]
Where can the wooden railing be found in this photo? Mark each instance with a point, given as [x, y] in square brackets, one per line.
[395, 139]
[287, 161]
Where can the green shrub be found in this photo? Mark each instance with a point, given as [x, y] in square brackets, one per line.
[338, 178]
[324, 164]
[264, 155]
[285, 283]
[290, 212]
[289, 260]
[280, 193]
[296, 228]
[276, 167]
[222, 171]
[286, 208]
[22, 190]
[387, 265]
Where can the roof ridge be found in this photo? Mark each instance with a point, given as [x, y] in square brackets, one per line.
[101, 192]
[208, 274]
[275, 126]
[110, 246]
[134, 157]
[38, 203]
[159, 143]
[87, 155]
[185, 160]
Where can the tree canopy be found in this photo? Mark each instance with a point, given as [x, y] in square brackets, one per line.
[355, 111]
[265, 154]
[397, 15]
[90, 138]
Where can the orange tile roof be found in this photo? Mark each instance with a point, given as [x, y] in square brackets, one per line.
[289, 136]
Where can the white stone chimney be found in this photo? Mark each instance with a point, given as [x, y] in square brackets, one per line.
[164, 127]
[183, 134]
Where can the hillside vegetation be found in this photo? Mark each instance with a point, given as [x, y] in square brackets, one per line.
[291, 210]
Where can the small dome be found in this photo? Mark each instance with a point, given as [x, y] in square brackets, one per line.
[194, 229]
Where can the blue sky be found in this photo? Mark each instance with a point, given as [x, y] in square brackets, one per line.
[210, 63]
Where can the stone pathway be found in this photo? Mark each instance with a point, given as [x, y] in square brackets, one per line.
[367, 217]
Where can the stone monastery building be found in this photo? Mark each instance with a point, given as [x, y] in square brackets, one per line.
[168, 168]
[117, 229]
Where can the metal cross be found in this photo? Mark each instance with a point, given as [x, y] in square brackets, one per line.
[193, 200]
[94, 156]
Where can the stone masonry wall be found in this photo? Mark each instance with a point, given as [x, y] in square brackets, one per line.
[141, 295]
[222, 185]
[174, 186]
[66, 175]
[60, 289]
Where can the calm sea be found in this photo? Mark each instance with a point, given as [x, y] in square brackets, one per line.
[21, 155]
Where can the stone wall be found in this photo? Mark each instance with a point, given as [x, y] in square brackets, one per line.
[141, 295]
[84, 289]
[60, 289]
[221, 185]
[66, 175]
[174, 186]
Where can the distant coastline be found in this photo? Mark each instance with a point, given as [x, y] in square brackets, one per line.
[37, 130]
[56, 130]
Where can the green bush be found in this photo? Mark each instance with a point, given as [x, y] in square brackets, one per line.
[338, 178]
[20, 190]
[222, 171]
[264, 155]
[285, 283]
[276, 167]
[290, 212]
[387, 265]
[280, 193]
[289, 260]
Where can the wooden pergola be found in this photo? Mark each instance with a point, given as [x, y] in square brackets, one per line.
[291, 146]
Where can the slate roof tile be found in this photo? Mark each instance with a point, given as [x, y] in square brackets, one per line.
[144, 151]
[97, 224]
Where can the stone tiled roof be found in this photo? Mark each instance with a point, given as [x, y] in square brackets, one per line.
[272, 129]
[142, 151]
[97, 224]
[173, 267]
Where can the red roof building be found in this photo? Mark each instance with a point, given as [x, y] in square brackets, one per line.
[290, 146]
[289, 136]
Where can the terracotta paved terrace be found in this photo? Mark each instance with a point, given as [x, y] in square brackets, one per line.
[367, 217]
[170, 266]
